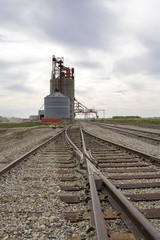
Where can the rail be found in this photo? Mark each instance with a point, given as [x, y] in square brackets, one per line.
[74, 147]
[124, 131]
[87, 154]
[141, 154]
[137, 223]
[20, 159]
[97, 212]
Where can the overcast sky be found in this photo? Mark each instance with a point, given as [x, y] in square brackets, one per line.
[114, 46]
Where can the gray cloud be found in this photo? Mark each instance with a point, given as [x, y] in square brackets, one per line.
[121, 92]
[129, 66]
[4, 65]
[2, 38]
[105, 78]
[148, 63]
[88, 64]
[145, 62]
[82, 23]
[81, 92]
[17, 63]
[19, 88]
[92, 35]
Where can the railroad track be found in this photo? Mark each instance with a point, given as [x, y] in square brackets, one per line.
[48, 195]
[152, 137]
[115, 161]
[36, 193]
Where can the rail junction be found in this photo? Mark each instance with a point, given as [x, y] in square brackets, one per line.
[150, 136]
[78, 186]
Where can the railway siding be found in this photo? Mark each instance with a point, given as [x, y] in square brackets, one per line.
[48, 197]
[142, 190]
[127, 141]
[31, 193]
[15, 142]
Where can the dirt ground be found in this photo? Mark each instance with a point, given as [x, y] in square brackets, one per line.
[14, 142]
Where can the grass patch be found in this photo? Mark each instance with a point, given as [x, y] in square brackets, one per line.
[136, 121]
[24, 124]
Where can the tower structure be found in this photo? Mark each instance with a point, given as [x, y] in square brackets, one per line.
[62, 80]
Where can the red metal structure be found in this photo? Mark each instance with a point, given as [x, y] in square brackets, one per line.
[62, 71]
[79, 108]
[54, 120]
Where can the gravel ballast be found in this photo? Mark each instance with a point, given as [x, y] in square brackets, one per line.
[16, 142]
[127, 141]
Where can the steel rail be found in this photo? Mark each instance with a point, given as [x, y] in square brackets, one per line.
[97, 211]
[138, 224]
[20, 159]
[141, 154]
[132, 129]
[87, 153]
[143, 226]
[75, 148]
[130, 133]
[98, 215]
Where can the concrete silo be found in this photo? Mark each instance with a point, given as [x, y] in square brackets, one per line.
[62, 80]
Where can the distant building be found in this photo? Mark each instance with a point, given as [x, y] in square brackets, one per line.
[34, 118]
[60, 103]
[4, 119]
[13, 119]
[24, 119]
